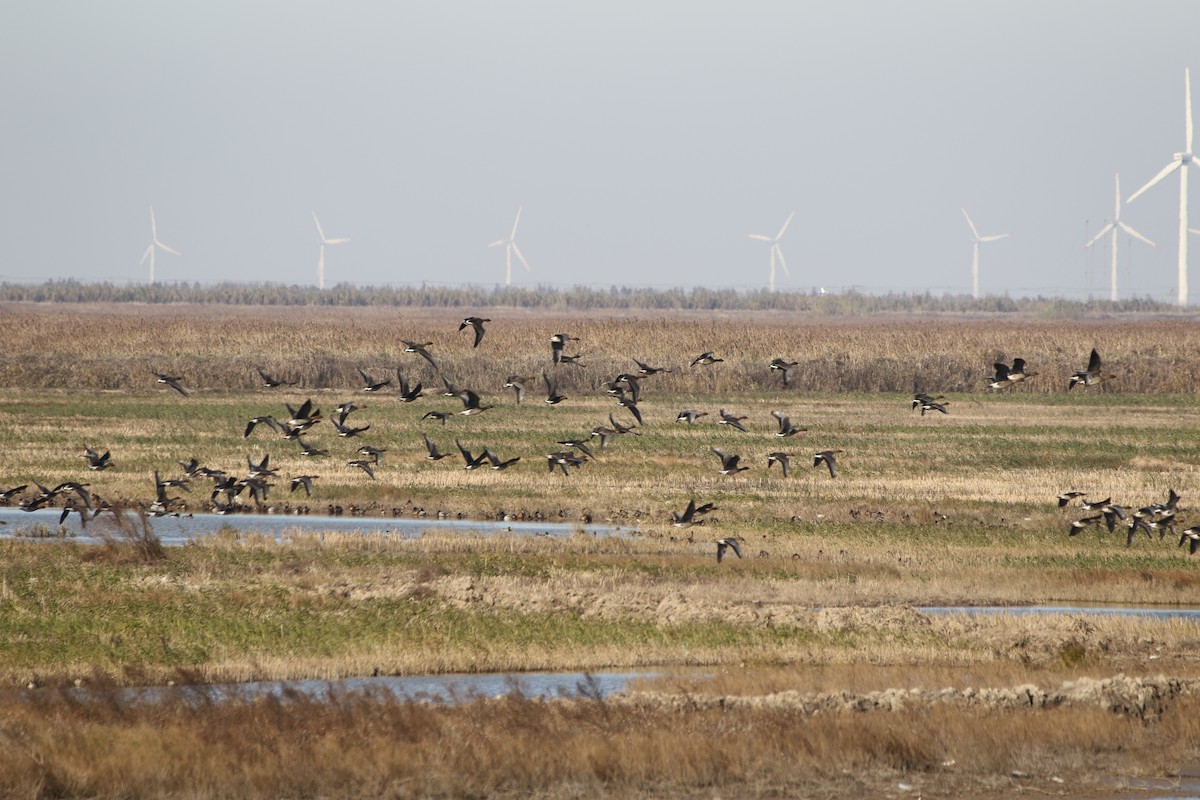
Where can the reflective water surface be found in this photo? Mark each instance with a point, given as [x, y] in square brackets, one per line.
[15, 523]
[455, 688]
[1152, 612]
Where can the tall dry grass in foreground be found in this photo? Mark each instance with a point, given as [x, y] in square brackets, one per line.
[360, 745]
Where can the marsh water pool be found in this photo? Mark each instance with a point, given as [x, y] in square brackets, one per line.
[174, 531]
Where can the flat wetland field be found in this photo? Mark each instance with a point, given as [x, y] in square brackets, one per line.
[805, 668]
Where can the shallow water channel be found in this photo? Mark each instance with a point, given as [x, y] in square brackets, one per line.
[448, 689]
[173, 531]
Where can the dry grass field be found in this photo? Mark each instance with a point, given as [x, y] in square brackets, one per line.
[802, 669]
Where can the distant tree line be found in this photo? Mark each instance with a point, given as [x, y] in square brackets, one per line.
[574, 298]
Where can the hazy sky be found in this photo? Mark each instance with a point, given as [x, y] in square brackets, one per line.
[643, 139]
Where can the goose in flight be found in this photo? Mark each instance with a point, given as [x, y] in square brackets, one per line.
[1090, 376]
[408, 393]
[706, 359]
[729, 462]
[420, 349]
[370, 384]
[552, 396]
[174, 381]
[477, 324]
[271, 382]
[517, 384]
[647, 370]
[725, 544]
[1001, 379]
[303, 481]
[472, 462]
[499, 463]
[434, 453]
[786, 428]
[471, 403]
[782, 367]
[364, 465]
[97, 461]
[731, 420]
[691, 514]
[557, 342]
[826, 457]
[782, 458]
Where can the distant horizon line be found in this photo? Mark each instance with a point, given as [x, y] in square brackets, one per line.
[855, 290]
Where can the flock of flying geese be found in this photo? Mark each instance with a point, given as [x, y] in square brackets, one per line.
[572, 454]
[1157, 518]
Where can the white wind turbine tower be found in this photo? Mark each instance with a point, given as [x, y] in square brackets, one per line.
[321, 257]
[155, 244]
[510, 247]
[776, 253]
[977, 240]
[1180, 160]
[1114, 226]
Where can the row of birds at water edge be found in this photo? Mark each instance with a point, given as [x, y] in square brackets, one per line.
[1161, 518]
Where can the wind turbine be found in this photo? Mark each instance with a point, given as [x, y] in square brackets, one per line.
[321, 258]
[977, 240]
[510, 247]
[1113, 227]
[776, 253]
[1180, 160]
[155, 244]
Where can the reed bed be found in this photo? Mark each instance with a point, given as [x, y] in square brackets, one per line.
[215, 348]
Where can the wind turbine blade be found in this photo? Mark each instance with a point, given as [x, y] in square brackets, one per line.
[1103, 231]
[1187, 93]
[320, 232]
[517, 250]
[1167, 170]
[497, 243]
[1117, 212]
[782, 263]
[1135, 234]
[149, 252]
[337, 241]
[515, 223]
[974, 232]
[168, 249]
[759, 237]
[993, 238]
[153, 226]
[779, 235]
